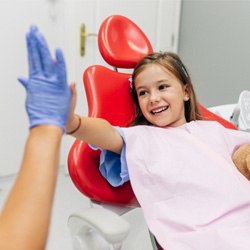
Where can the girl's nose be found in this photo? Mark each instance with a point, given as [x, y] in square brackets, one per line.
[154, 97]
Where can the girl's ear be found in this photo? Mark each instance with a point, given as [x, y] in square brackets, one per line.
[186, 93]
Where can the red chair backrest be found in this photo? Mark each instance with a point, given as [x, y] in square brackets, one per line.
[108, 97]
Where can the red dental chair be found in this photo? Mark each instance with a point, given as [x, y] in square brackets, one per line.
[122, 44]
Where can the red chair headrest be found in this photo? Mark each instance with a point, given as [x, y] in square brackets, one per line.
[122, 43]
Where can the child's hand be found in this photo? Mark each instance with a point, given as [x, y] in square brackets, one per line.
[72, 119]
[241, 159]
[48, 94]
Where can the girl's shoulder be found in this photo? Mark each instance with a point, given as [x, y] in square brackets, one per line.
[198, 125]
[205, 123]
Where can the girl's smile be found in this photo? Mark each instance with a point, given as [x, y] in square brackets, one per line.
[161, 96]
[159, 110]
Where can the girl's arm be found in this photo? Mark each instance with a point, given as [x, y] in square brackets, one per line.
[95, 131]
[25, 218]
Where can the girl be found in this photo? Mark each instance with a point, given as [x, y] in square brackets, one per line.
[180, 166]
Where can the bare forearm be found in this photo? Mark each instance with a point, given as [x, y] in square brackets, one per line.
[97, 132]
[26, 214]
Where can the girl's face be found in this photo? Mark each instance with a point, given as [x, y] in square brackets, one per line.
[161, 96]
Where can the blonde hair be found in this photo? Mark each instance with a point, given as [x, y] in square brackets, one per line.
[172, 63]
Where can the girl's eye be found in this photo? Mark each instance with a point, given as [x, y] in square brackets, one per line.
[163, 86]
[142, 92]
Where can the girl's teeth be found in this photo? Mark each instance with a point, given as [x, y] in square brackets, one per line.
[159, 110]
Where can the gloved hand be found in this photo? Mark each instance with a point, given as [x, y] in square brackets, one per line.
[48, 94]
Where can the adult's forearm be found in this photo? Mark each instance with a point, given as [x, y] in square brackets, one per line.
[26, 214]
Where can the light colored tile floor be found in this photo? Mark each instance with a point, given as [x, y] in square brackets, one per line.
[68, 200]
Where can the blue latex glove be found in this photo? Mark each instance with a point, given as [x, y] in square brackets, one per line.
[48, 94]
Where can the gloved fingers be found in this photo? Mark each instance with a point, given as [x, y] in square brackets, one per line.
[33, 54]
[61, 67]
[23, 81]
[47, 63]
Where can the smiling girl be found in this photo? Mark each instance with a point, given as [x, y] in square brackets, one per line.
[180, 166]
